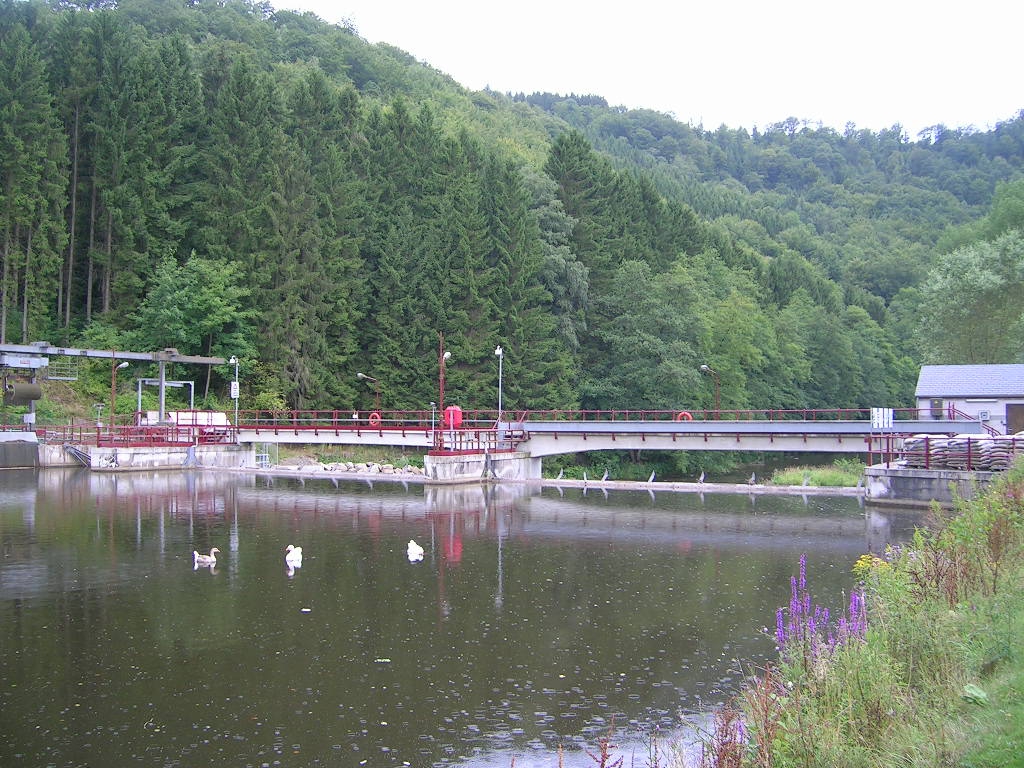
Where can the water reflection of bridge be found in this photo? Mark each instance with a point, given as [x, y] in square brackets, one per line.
[619, 518]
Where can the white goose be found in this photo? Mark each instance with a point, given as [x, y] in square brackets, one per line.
[293, 556]
[210, 559]
[414, 551]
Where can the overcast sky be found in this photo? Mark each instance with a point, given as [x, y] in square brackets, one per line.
[874, 63]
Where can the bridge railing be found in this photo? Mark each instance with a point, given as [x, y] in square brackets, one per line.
[768, 414]
[134, 436]
[335, 419]
[202, 430]
[954, 413]
[470, 440]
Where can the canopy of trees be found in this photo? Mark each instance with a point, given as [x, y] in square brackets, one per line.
[228, 179]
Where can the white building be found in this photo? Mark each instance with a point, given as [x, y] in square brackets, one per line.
[993, 394]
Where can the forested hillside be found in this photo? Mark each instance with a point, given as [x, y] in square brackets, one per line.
[225, 179]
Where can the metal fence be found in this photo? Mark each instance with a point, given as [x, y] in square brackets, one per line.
[961, 452]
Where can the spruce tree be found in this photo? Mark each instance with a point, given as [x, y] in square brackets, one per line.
[32, 191]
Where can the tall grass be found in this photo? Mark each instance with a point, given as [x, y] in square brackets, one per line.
[922, 667]
[844, 473]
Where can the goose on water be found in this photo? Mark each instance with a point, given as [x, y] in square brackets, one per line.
[210, 559]
[293, 556]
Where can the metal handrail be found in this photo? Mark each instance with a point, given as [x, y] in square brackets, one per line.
[206, 427]
[106, 436]
[955, 414]
[480, 419]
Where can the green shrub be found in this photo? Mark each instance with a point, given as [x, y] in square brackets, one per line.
[936, 678]
[844, 473]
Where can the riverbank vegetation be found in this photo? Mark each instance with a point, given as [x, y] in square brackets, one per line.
[843, 473]
[382, 454]
[924, 666]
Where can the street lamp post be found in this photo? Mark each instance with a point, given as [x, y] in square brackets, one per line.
[234, 390]
[718, 384]
[500, 353]
[376, 389]
[442, 359]
[114, 368]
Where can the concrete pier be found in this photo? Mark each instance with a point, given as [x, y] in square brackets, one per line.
[922, 487]
[480, 467]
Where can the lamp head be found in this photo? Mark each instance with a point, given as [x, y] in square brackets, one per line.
[499, 351]
[122, 366]
[705, 368]
[233, 360]
[446, 355]
[360, 375]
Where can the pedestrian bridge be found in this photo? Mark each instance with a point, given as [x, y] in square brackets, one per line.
[541, 437]
[513, 447]
[548, 433]
[544, 433]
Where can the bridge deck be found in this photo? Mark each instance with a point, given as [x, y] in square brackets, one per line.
[540, 433]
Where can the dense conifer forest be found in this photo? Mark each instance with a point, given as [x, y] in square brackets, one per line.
[227, 179]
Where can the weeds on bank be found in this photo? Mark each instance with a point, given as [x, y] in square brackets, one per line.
[921, 668]
[368, 454]
[844, 473]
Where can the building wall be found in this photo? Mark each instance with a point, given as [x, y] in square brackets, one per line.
[975, 407]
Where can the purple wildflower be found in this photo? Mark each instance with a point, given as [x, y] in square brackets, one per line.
[808, 632]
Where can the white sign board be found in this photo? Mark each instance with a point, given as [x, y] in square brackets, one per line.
[881, 418]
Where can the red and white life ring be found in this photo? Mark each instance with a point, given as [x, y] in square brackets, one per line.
[684, 416]
[375, 419]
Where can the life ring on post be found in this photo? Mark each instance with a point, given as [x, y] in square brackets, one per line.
[375, 419]
[684, 416]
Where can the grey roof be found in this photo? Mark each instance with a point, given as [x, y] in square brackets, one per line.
[971, 381]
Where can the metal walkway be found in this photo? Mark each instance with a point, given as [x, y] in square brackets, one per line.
[558, 432]
[542, 434]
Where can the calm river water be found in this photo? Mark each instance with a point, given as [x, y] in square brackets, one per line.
[532, 621]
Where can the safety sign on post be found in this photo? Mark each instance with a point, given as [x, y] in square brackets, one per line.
[234, 390]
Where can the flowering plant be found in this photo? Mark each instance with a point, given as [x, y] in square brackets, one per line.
[805, 632]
